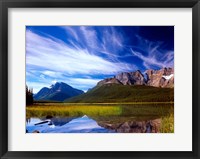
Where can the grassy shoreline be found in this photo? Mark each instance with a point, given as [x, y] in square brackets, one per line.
[119, 103]
[110, 113]
[159, 109]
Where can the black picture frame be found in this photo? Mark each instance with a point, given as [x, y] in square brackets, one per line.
[6, 4]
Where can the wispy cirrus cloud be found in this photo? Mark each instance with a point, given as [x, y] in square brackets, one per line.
[71, 31]
[106, 40]
[149, 61]
[152, 55]
[89, 51]
[90, 36]
[49, 54]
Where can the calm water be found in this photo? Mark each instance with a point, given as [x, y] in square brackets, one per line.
[123, 122]
[82, 124]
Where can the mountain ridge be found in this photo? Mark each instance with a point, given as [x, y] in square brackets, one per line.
[120, 86]
[157, 86]
[57, 92]
[157, 78]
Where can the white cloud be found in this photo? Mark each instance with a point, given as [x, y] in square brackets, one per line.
[147, 61]
[155, 56]
[48, 54]
[81, 81]
[116, 38]
[42, 76]
[90, 36]
[112, 39]
[52, 74]
[71, 31]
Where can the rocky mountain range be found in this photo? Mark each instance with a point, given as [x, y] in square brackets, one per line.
[157, 78]
[163, 78]
[57, 92]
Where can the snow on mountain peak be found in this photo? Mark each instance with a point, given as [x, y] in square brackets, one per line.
[168, 77]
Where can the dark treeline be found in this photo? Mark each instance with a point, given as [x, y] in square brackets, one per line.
[29, 96]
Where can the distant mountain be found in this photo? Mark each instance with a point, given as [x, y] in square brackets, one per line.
[152, 86]
[42, 93]
[58, 92]
[157, 78]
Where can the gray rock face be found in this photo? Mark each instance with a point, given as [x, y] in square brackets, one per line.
[157, 78]
[124, 78]
[161, 78]
[138, 78]
[131, 78]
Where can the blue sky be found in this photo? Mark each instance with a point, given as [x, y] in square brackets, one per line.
[83, 55]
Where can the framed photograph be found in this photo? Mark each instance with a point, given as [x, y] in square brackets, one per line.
[99, 79]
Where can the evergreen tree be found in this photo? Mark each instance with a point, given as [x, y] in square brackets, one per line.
[29, 96]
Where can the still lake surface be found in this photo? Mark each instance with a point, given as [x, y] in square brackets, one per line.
[97, 120]
[82, 124]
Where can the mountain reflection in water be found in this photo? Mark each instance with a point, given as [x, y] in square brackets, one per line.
[65, 125]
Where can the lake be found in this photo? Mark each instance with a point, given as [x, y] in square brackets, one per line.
[100, 118]
[82, 124]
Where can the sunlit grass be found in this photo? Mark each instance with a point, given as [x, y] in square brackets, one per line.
[63, 109]
[167, 124]
[96, 104]
[72, 111]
